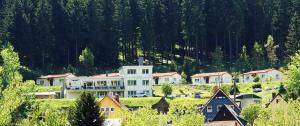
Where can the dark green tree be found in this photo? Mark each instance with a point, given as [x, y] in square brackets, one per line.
[257, 57]
[243, 61]
[292, 44]
[217, 59]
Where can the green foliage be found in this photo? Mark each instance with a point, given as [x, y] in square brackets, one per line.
[85, 112]
[256, 86]
[217, 59]
[251, 112]
[234, 89]
[183, 78]
[256, 79]
[86, 57]
[257, 56]
[293, 75]
[243, 61]
[282, 90]
[271, 51]
[292, 40]
[167, 89]
[185, 115]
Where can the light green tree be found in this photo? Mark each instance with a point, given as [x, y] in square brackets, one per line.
[257, 56]
[250, 113]
[293, 75]
[243, 61]
[86, 57]
[271, 51]
[183, 78]
[217, 59]
[185, 115]
[167, 89]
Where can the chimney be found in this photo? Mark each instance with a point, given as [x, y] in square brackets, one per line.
[117, 98]
[273, 95]
[141, 61]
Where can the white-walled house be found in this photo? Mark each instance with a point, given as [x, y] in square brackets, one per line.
[211, 78]
[271, 75]
[130, 80]
[53, 80]
[247, 99]
[169, 77]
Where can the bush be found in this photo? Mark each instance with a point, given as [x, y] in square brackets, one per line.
[167, 89]
[234, 88]
[256, 79]
[256, 86]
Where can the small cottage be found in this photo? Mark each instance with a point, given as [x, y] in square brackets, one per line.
[276, 99]
[162, 106]
[211, 78]
[246, 99]
[213, 106]
[170, 77]
[54, 79]
[110, 105]
[227, 117]
[271, 75]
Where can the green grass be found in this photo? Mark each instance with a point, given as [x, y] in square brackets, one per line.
[47, 88]
[56, 103]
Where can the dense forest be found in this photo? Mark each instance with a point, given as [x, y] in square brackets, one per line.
[235, 35]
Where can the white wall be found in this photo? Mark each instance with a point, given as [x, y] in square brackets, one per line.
[174, 79]
[272, 76]
[247, 101]
[56, 82]
[226, 78]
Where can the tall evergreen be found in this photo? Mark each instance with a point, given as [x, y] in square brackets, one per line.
[271, 51]
[217, 60]
[293, 39]
[257, 56]
[243, 61]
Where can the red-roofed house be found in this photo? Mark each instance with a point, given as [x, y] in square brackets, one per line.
[170, 77]
[54, 79]
[211, 78]
[264, 75]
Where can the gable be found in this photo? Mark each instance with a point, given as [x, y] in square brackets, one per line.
[226, 113]
[108, 101]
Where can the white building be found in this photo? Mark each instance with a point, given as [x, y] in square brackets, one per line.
[170, 77]
[130, 80]
[53, 80]
[270, 75]
[247, 99]
[211, 78]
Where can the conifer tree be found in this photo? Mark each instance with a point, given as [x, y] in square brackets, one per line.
[293, 39]
[217, 59]
[257, 57]
[243, 61]
[271, 51]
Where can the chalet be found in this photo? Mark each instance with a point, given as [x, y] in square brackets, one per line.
[276, 99]
[110, 105]
[170, 77]
[162, 106]
[213, 106]
[211, 78]
[53, 80]
[227, 117]
[246, 99]
[271, 75]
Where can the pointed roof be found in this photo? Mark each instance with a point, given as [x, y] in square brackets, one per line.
[226, 113]
[277, 96]
[209, 74]
[115, 101]
[164, 74]
[161, 106]
[220, 92]
[51, 76]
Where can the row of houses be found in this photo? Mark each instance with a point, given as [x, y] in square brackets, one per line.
[220, 110]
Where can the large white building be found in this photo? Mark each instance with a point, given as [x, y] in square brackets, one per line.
[169, 77]
[129, 81]
[271, 75]
[211, 78]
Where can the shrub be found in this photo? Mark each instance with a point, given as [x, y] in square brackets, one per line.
[256, 79]
[256, 86]
[167, 89]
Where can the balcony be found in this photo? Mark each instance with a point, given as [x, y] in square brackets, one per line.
[106, 88]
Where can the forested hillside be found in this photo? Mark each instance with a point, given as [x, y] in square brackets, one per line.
[221, 33]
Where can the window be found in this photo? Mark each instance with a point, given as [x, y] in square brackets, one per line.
[277, 77]
[197, 80]
[219, 107]
[145, 82]
[247, 78]
[209, 108]
[131, 93]
[262, 76]
[115, 83]
[232, 106]
[166, 79]
[145, 71]
[112, 109]
[102, 109]
[131, 71]
[41, 82]
[131, 82]
[107, 109]
[277, 100]
[103, 83]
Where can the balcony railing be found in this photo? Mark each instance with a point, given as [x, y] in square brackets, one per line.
[95, 87]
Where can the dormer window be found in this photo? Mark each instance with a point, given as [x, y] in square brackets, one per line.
[131, 71]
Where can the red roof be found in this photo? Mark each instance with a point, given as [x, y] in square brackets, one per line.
[259, 71]
[55, 76]
[107, 75]
[164, 74]
[116, 102]
[209, 74]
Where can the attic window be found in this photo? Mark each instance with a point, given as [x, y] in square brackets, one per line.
[209, 108]
[277, 100]
[112, 109]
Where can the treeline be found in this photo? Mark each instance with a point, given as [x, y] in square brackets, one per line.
[52, 33]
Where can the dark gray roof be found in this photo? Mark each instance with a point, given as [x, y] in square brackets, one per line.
[243, 96]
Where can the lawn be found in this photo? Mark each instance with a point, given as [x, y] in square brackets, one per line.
[47, 88]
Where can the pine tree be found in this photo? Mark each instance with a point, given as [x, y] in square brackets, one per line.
[243, 61]
[271, 51]
[293, 39]
[86, 112]
[257, 56]
[217, 59]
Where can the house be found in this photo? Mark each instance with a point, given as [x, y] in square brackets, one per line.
[276, 100]
[53, 80]
[170, 77]
[128, 82]
[227, 117]
[110, 105]
[211, 78]
[271, 75]
[213, 106]
[162, 106]
[246, 99]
